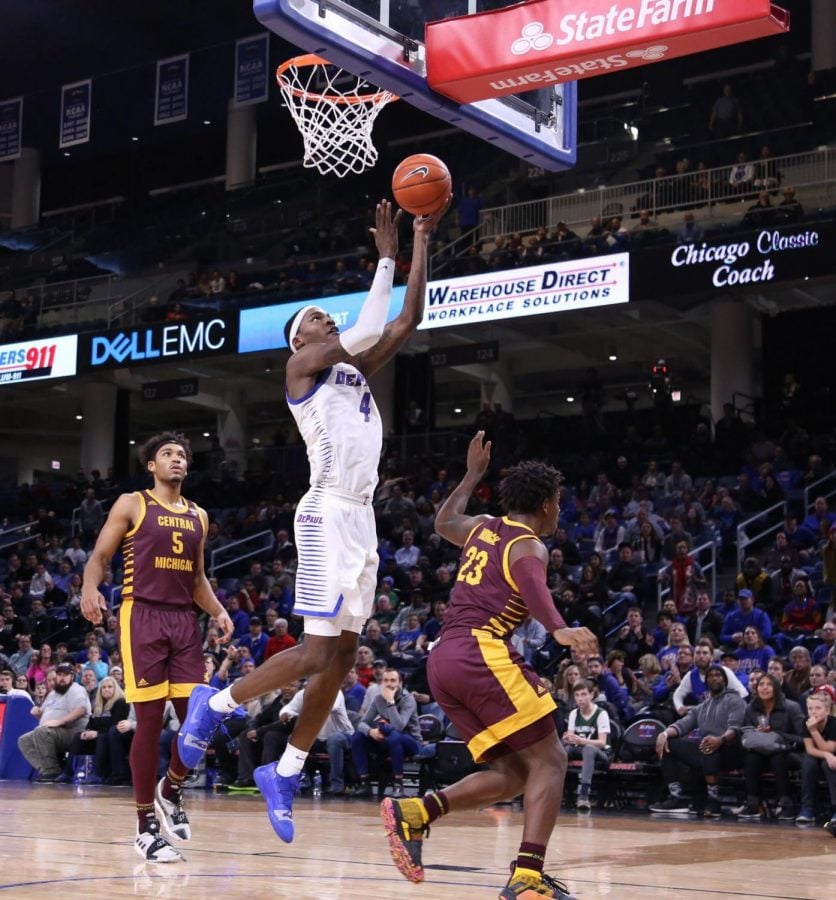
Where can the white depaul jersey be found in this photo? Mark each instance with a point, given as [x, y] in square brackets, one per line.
[341, 426]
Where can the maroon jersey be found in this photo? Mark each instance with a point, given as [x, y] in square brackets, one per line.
[485, 595]
[161, 552]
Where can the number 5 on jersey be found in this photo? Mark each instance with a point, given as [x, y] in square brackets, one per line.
[177, 542]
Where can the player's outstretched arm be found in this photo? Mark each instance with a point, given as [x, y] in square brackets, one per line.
[397, 332]
[121, 517]
[451, 522]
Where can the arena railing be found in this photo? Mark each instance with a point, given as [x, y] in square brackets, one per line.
[818, 489]
[745, 540]
[249, 546]
[816, 168]
[664, 591]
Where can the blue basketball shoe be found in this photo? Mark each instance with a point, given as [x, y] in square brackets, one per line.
[199, 726]
[278, 792]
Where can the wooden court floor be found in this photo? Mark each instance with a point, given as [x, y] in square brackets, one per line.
[58, 839]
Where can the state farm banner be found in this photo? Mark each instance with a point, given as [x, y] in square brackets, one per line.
[530, 291]
[533, 45]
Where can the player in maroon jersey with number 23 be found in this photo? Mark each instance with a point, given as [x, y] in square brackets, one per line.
[495, 700]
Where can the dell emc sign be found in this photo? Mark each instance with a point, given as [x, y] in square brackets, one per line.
[198, 337]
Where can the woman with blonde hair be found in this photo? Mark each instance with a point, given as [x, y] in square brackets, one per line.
[109, 707]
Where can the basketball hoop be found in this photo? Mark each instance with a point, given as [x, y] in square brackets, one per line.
[335, 112]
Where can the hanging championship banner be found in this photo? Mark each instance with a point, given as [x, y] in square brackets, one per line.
[75, 113]
[11, 124]
[251, 64]
[171, 98]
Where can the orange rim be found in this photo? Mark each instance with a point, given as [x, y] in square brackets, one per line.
[311, 59]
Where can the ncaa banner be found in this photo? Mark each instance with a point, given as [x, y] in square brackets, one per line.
[38, 360]
[536, 44]
[11, 124]
[251, 64]
[171, 97]
[76, 100]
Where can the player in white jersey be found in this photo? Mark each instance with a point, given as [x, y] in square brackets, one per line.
[328, 393]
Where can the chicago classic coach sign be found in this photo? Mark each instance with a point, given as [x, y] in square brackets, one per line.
[533, 45]
[748, 259]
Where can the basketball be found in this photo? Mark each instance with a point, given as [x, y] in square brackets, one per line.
[421, 184]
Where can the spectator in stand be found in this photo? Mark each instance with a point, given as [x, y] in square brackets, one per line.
[22, 659]
[609, 688]
[800, 619]
[647, 546]
[240, 619]
[634, 640]
[741, 175]
[587, 737]
[690, 232]
[364, 665]
[217, 283]
[64, 713]
[761, 214]
[757, 581]
[563, 243]
[390, 726]
[334, 737]
[770, 712]
[818, 679]
[610, 535]
[783, 581]
[677, 637]
[281, 640]
[108, 708]
[704, 621]
[646, 230]
[353, 691]
[624, 580]
[828, 638]
[257, 641]
[693, 688]
[265, 736]
[753, 653]
[408, 554]
[76, 554]
[678, 481]
[41, 663]
[746, 614]
[797, 680]
[789, 209]
[718, 719]
[817, 524]
[562, 542]
[374, 639]
[686, 578]
[819, 759]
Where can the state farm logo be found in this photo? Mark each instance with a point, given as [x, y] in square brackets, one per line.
[650, 54]
[532, 37]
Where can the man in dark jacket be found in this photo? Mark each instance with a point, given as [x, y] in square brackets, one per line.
[719, 719]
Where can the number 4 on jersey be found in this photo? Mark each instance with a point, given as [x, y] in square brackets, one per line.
[366, 405]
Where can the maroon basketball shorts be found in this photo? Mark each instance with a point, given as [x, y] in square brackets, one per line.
[488, 691]
[161, 650]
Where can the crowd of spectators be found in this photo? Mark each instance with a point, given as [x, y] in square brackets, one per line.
[633, 527]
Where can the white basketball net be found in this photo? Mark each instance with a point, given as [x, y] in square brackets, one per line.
[335, 112]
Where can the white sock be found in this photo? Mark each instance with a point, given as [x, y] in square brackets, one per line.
[222, 702]
[292, 761]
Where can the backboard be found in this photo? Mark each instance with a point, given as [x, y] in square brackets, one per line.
[382, 41]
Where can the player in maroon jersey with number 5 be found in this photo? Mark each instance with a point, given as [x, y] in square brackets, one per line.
[162, 536]
[490, 694]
